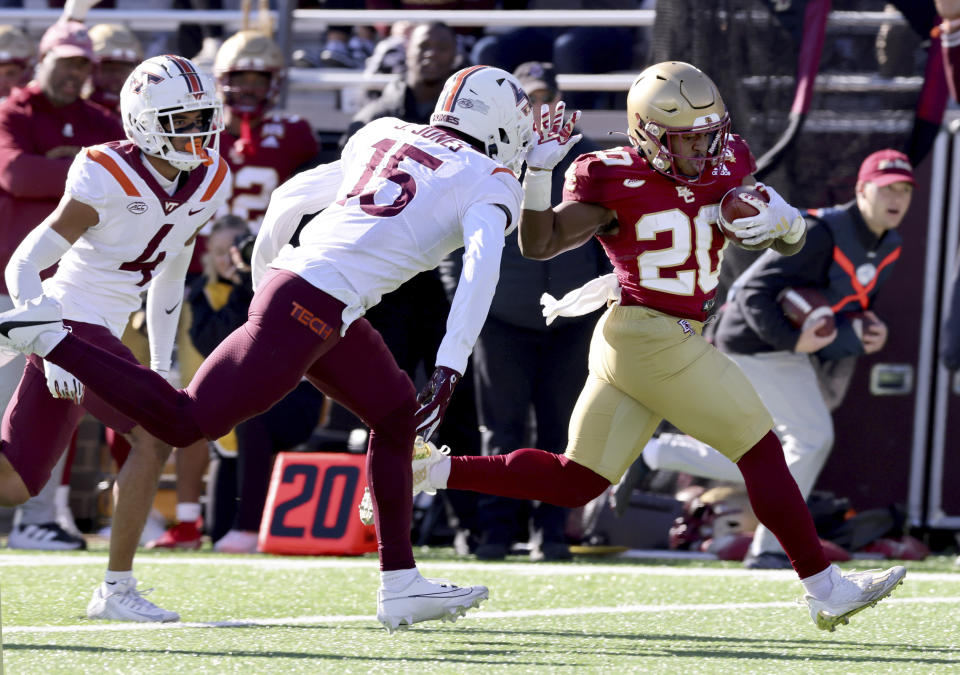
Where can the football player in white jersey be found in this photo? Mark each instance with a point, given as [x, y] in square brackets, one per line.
[409, 195]
[126, 223]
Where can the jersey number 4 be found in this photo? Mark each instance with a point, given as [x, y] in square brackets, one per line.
[143, 264]
[392, 172]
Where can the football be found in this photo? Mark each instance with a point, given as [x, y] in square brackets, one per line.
[732, 207]
[804, 307]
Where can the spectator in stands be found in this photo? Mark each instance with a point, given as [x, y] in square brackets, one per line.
[430, 58]
[16, 54]
[42, 127]
[466, 35]
[517, 352]
[239, 479]
[344, 46]
[579, 49]
[390, 54]
[263, 148]
[801, 375]
[118, 52]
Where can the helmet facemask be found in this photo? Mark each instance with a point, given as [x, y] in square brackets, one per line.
[667, 141]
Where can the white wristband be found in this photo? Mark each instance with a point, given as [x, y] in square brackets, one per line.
[537, 186]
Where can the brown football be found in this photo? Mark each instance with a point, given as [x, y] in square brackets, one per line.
[804, 307]
[732, 207]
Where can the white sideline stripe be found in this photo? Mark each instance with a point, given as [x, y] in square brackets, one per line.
[515, 614]
[70, 559]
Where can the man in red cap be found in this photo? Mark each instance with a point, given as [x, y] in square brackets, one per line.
[42, 127]
[801, 375]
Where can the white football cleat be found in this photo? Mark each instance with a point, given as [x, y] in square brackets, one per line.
[123, 602]
[426, 600]
[237, 541]
[34, 328]
[425, 456]
[853, 592]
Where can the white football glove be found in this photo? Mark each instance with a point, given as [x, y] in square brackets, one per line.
[553, 140]
[61, 383]
[775, 219]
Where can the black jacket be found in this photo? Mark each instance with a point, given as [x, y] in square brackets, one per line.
[838, 239]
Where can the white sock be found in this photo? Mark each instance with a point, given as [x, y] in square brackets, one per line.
[820, 584]
[397, 580]
[112, 578]
[651, 454]
[439, 473]
[61, 498]
[188, 512]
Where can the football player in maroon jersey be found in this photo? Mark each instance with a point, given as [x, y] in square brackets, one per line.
[263, 148]
[653, 206]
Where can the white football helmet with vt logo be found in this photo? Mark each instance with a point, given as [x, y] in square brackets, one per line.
[488, 105]
[156, 91]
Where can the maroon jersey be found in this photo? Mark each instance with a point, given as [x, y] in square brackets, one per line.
[668, 249]
[277, 147]
[31, 184]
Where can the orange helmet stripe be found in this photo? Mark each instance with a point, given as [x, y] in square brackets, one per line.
[193, 79]
[458, 87]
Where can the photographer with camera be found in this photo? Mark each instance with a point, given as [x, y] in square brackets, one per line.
[241, 461]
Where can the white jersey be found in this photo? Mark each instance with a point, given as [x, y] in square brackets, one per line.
[410, 195]
[141, 230]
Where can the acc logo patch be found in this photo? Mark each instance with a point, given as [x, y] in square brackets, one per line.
[137, 207]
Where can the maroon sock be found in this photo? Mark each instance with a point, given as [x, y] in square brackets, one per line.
[778, 504]
[528, 474]
[135, 391]
[391, 486]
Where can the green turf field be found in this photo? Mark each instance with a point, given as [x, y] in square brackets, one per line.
[262, 614]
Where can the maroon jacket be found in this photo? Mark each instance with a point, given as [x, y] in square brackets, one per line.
[30, 184]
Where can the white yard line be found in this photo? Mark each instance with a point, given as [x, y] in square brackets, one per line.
[523, 568]
[515, 614]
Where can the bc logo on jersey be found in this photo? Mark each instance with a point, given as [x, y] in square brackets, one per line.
[137, 208]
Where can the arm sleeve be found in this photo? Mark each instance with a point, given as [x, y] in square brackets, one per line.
[41, 248]
[166, 292]
[307, 192]
[757, 298]
[483, 228]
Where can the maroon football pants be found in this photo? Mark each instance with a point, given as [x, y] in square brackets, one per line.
[37, 427]
[292, 331]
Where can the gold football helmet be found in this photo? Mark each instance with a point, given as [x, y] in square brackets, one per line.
[15, 47]
[668, 100]
[244, 51]
[113, 42]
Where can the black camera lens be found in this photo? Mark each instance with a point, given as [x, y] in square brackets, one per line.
[244, 244]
